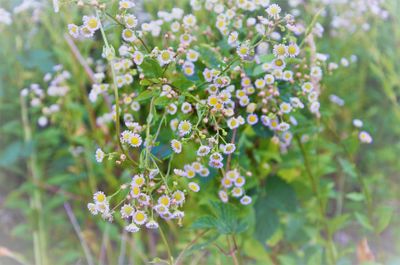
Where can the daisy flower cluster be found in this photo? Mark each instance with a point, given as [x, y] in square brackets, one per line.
[50, 99]
[194, 85]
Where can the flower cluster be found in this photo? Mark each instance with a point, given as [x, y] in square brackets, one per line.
[197, 100]
[50, 99]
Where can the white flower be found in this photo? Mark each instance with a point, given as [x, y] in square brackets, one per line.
[91, 22]
[223, 196]
[99, 155]
[274, 10]
[165, 57]
[138, 57]
[139, 217]
[132, 228]
[280, 50]
[293, 50]
[135, 140]
[130, 21]
[365, 137]
[203, 150]
[233, 39]
[186, 107]
[285, 107]
[152, 224]
[245, 200]
[189, 20]
[184, 127]
[73, 30]
[228, 148]
[128, 35]
[176, 146]
[357, 123]
[127, 210]
[252, 119]
[193, 186]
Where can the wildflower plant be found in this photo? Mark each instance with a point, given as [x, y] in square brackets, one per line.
[195, 89]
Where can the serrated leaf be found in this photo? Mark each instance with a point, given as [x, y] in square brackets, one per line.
[151, 68]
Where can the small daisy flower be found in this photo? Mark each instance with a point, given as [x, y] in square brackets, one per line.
[226, 182]
[171, 109]
[126, 4]
[164, 200]
[128, 35]
[293, 50]
[138, 57]
[233, 39]
[135, 191]
[204, 172]
[152, 224]
[252, 119]
[365, 137]
[259, 83]
[285, 107]
[92, 208]
[280, 50]
[165, 57]
[99, 155]
[269, 79]
[161, 209]
[216, 157]
[127, 210]
[193, 186]
[135, 140]
[307, 87]
[237, 192]
[278, 63]
[184, 127]
[186, 107]
[296, 103]
[240, 181]
[223, 196]
[245, 200]
[178, 197]
[203, 150]
[73, 30]
[192, 55]
[283, 126]
[130, 21]
[243, 50]
[99, 197]
[190, 172]
[228, 148]
[176, 146]
[357, 123]
[189, 20]
[132, 228]
[233, 123]
[91, 22]
[274, 10]
[139, 217]
[180, 172]
[138, 180]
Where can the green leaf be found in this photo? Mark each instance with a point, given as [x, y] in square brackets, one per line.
[151, 68]
[209, 56]
[385, 216]
[162, 101]
[182, 83]
[205, 222]
[145, 95]
[363, 220]
[279, 196]
[355, 196]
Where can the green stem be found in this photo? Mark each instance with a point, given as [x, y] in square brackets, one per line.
[39, 237]
[170, 257]
[315, 189]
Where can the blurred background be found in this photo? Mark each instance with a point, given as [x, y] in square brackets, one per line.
[48, 173]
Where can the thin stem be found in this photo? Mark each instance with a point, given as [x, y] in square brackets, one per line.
[180, 256]
[314, 186]
[78, 232]
[115, 87]
[39, 238]
[170, 257]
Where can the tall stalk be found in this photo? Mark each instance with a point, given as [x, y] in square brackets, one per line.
[39, 237]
